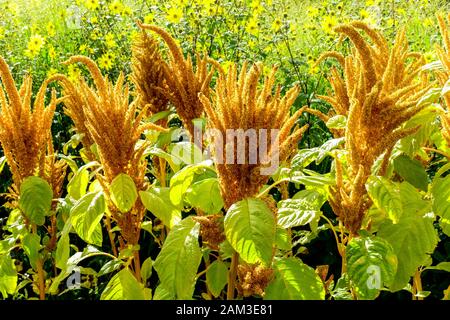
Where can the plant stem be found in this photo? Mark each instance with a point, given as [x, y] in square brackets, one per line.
[137, 265]
[110, 235]
[417, 283]
[232, 276]
[40, 271]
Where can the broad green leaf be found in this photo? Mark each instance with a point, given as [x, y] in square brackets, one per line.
[31, 245]
[76, 187]
[178, 261]
[296, 212]
[123, 192]
[162, 293]
[342, 289]
[86, 216]
[412, 144]
[304, 157]
[413, 239]
[317, 180]
[216, 277]
[282, 239]
[8, 276]
[2, 163]
[123, 286]
[412, 171]
[294, 280]
[146, 269]
[187, 152]
[179, 184]
[250, 229]
[35, 199]
[337, 122]
[173, 161]
[157, 201]
[110, 266]
[386, 196]
[62, 251]
[205, 195]
[441, 202]
[327, 147]
[443, 266]
[371, 265]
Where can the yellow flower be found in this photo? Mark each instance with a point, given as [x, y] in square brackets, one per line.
[276, 25]
[252, 26]
[149, 19]
[51, 72]
[82, 48]
[2, 32]
[94, 20]
[429, 56]
[106, 61]
[51, 52]
[370, 3]
[127, 11]
[313, 12]
[109, 40]
[427, 22]
[328, 23]
[91, 4]
[401, 11]
[363, 14]
[73, 72]
[116, 7]
[174, 15]
[226, 65]
[51, 31]
[36, 42]
[256, 6]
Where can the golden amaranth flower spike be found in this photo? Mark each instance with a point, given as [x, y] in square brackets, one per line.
[444, 75]
[238, 103]
[148, 73]
[183, 83]
[378, 92]
[25, 133]
[114, 125]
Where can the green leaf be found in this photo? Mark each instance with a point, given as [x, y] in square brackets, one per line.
[441, 202]
[250, 229]
[386, 196]
[327, 147]
[337, 122]
[146, 269]
[123, 286]
[76, 188]
[157, 201]
[443, 266]
[123, 192]
[35, 199]
[412, 171]
[216, 277]
[304, 157]
[179, 184]
[173, 161]
[110, 266]
[8, 276]
[371, 264]
[187, 152]
[294, 280]
[31, 245]
[282, 239]
[179, 259]
[205, 195]
[161, 293]
[297, 212]
[413, 240]
[86, 216]
[2, 163]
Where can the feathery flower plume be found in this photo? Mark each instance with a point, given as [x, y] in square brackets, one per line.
[114, 125]
[148, 73]
[183, 83]
[238, 104]
[378, 93]
[25, 126]
[444, 75]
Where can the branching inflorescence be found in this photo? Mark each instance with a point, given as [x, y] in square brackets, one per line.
[182, 83]
[444, 75]
[378, 93]
[25, 133]
[238, 104]
[114, 125]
